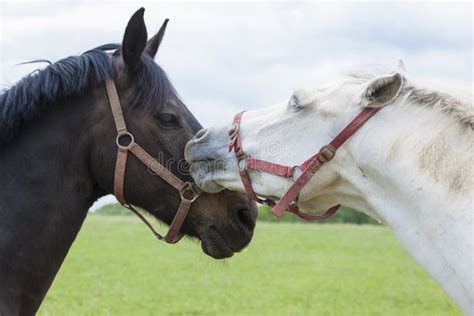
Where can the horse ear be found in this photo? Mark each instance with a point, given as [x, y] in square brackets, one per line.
[154, 42]
[399, 67]
[382, 90]
[134, 40]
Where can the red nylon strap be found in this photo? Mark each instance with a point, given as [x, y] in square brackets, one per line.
[269, 167]
[234, 134]
[326, 153]
[235, 144]
[248, 186]
[250, 162]
[309, 167]
[313, 217]
[353, 126]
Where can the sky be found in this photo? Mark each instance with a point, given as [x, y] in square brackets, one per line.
[226, 57]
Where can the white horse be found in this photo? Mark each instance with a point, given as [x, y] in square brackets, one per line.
[410, 166]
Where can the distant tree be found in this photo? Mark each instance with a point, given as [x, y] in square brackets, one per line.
[344, 215]
[112, 209]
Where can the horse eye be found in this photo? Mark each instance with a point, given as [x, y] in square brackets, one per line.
[167, 120]
[294, 103]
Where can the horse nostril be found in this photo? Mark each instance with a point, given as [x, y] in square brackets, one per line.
[200, 135]
[246, 218]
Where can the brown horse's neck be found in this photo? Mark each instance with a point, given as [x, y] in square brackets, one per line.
[47, 188]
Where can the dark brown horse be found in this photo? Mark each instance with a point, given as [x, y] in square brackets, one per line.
[57, 156]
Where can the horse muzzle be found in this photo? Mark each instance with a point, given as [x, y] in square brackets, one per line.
[209, 159]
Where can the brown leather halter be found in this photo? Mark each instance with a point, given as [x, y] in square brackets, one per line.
[187, 190]
[308, 168]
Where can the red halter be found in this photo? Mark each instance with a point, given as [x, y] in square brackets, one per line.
[308, 168]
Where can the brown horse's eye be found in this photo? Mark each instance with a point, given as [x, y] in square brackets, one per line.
[167, 120]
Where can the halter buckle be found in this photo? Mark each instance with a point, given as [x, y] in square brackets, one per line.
[326, 153]
[189, 192]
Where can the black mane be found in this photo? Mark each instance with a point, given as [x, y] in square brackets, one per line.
[73, 76]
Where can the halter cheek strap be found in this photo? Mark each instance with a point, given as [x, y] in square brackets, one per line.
[187, 190]
[309, 167]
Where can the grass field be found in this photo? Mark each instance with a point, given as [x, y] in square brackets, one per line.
[115, 267]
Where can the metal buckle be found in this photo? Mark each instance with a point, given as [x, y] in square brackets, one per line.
[189, 188]
[122, 134]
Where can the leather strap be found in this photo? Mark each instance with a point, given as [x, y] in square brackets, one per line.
[115, 106]
[155, 166]
[120, 165]
[188, 191]
[173, 235]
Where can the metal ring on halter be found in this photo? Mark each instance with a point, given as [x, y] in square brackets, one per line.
[122, 134]
[294, 175]
[242, 159]
[233, 130]
[189, 188]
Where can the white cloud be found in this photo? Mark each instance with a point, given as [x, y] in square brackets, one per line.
[213, 112]
[244, 55]
[108, 199]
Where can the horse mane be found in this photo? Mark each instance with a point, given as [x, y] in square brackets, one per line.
[35, 93]
[461, 111]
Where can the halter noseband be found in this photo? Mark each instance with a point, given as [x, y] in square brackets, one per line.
[308, 168]
[187, 190]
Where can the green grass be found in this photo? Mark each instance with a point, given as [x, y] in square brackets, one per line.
[115, 267]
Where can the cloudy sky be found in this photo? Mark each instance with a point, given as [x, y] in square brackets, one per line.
[224, 57]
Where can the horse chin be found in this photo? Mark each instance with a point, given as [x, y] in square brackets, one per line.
[214, 245]
[210, 186]
[204, 179]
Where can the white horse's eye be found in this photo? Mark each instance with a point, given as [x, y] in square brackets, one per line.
[294, 103]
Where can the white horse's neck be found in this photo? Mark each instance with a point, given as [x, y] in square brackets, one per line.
[420, 183]
[411, 166]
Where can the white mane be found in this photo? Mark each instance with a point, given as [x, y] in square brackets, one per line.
[459, 108]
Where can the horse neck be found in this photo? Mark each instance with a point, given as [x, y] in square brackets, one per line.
[412, 168]
[47, 190]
